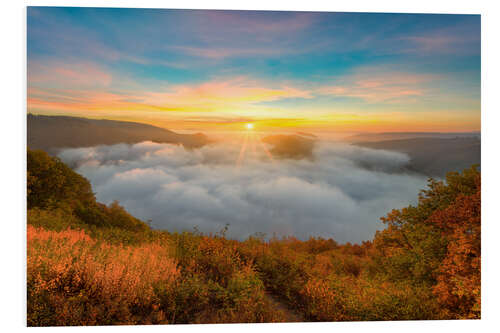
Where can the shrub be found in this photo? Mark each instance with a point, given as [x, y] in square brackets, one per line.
[51, 183]
[75, 280]
[350, 299]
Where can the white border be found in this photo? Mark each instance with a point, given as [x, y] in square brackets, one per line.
[424, 6]
[13, 134]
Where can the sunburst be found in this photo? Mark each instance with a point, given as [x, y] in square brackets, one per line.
[253, 139]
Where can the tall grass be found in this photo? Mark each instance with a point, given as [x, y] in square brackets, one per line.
[76, 280]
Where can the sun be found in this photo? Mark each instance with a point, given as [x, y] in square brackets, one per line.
[249, 126]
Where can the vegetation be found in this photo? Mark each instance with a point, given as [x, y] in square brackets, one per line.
[92, 264]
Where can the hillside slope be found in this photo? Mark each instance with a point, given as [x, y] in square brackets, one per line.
[291, 146]
[385, 136]
[50, 133]
[434, 156]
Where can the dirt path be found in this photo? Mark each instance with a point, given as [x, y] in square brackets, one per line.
[290, 315]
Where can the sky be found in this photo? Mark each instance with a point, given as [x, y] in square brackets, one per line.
[200, 70]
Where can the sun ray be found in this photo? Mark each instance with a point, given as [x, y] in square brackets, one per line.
[253, 143]
[242, 151]
[265, 149]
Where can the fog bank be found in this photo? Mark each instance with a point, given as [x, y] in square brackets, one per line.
[341, 193]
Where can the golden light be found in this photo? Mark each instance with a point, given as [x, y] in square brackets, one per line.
[249, 126]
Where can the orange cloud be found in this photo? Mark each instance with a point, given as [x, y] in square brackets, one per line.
[71, 100]
[236, 93]
[68, 74]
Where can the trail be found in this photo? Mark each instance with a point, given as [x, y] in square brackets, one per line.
[290, 316]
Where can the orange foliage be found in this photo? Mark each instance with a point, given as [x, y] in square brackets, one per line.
[73, 273]
[459, 282]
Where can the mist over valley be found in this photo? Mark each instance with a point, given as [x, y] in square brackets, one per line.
[340, 193]
[296, 184]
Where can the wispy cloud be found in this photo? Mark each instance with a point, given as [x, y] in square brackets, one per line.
[228, 34]
[79, 100]
[461, 39]
[227, 52]
[376, 85]
[230, 93]
[64, 74]
[250, 26]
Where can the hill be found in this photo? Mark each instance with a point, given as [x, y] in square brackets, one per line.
[434, 156]
[50, 133]
[371, 137]
[291, 146]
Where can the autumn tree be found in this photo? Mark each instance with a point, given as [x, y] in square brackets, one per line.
[459, 280]
[52, 184]
[437, 243]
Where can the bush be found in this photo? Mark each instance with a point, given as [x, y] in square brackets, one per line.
[56, 219]
[75, 280]
[52, 184]
[351, 299]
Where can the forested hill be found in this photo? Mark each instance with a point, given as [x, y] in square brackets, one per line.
[50, 133]
[434, 156]
[291, 146]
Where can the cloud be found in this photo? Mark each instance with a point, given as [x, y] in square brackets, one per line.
[461, 39]
[380, 84]
[228, 91]
[69, 100]
[232, 34]
[227, 52]
[62, 74]
[258, 23]
[233, 93]
[341, 194]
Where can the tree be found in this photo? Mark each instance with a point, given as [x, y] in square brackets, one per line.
[459, 280]
[52, 184]
[438, 243]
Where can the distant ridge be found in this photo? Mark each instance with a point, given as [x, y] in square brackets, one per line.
[434, 156]
[290, 146]
[51, 133]
[367, 137]
[307, 134]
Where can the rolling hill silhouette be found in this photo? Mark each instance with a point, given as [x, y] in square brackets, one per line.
[51, 133]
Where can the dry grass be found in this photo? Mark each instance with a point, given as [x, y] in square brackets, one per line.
[86, 282]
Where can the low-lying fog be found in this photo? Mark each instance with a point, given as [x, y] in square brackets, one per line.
[341, 193]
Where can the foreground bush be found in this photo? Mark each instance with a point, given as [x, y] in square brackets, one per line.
[75, 280]
[357, 299]
[217, 285]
